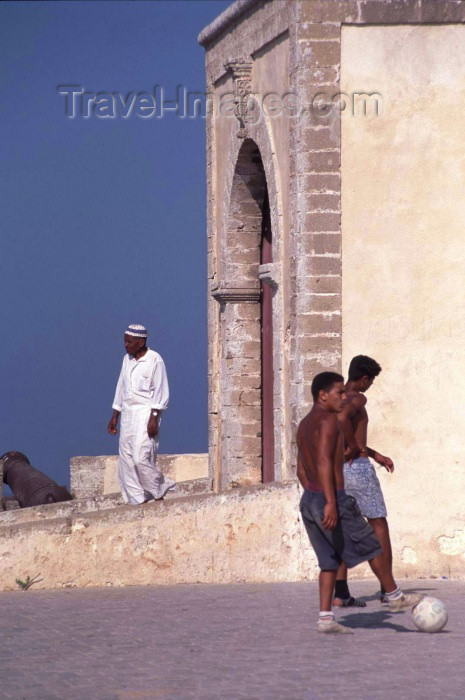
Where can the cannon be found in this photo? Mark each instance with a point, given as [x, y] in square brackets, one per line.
[30, 486]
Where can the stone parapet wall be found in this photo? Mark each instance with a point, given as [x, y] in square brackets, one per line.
[91, 504]
[252, 534]
[204, 539]
[98, 476]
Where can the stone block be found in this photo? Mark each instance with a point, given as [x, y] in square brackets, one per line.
[320, 183]
[316, 345]
[308, 246]
[320, 265]
[390, 12]
[239, 332]
[236, 366]
[328, 284]
[243, 447]
[432, 11]
[312, 366]
[324, 202]
[323, 138]
[246, 312]
[324, 161]
[238, 396]
[87, 482]
[322, 243]
[327, 303]
[87, 476]
[320, 76]
[244, 422]
[340, 11]
[318, 31]
[305, 301]
[243, 255]
[311, 347]
[320, 324]
[248, 273]
[239, 320]
[250, 349]
[321, 221]
[321, 54]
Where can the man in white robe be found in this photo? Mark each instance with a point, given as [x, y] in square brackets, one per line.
[142, 394]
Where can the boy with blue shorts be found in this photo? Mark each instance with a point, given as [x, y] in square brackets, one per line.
[337, 530]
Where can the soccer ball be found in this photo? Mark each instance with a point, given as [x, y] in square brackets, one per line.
[430, 614]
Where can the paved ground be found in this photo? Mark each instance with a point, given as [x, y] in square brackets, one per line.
[223, 642]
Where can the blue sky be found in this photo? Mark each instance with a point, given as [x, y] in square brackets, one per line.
[103, 223]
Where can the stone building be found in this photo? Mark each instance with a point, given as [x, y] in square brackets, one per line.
[336, 176]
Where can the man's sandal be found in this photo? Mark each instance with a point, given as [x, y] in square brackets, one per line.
[349, 602]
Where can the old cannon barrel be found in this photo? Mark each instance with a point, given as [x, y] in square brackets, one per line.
[30, 486]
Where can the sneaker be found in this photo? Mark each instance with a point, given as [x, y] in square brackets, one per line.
[406, 600]
[332, 627]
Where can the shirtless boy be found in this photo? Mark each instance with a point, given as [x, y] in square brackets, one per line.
[360, 478]
[337, 530]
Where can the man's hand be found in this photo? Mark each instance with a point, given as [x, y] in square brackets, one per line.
[152, 426]
[350, 453]
[329, 521]
[385, 462]
[112, 429]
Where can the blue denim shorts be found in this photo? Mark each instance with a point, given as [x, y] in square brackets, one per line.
[352, 541]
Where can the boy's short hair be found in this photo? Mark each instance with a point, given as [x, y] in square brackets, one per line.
[363, 366]
[324, 381]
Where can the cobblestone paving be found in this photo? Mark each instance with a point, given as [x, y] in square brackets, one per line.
[256, 642]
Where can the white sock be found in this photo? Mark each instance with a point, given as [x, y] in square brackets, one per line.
[395, 594]
[325, 614]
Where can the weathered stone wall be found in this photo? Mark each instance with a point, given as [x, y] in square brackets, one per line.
[198, 539]
[98, 476]
[206, 538]
[242, 161]
[296, 47]
[252, 534]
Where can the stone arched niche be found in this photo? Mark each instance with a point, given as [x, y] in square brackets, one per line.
[246, 363]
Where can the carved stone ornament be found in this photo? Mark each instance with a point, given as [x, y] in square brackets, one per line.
[241, 70]
[235, 295]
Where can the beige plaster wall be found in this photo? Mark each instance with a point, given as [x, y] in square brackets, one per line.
[403, 292]
[206, 539]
